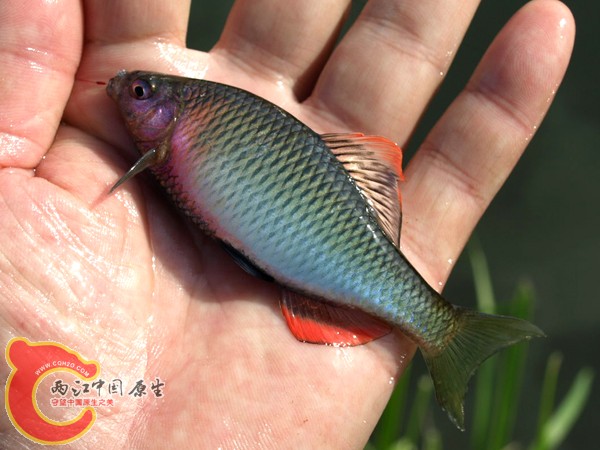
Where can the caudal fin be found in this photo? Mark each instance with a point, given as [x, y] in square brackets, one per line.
[478, 337]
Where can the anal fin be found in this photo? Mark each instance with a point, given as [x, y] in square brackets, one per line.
[327, 324]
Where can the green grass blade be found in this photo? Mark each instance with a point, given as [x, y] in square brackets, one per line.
[420, 406]
[403, 444]
[482, 279]
[560, 423]
[506, 400]
[432, 439]
[483, 398]
[485, 378]
[547, 395]
[498, 380]
[511, 369]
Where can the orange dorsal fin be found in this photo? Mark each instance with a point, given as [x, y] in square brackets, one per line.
[375, 164]
[324, 323]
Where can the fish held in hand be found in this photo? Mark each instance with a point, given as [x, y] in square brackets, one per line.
[318, 214]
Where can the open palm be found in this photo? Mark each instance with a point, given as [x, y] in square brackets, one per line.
[125, 281]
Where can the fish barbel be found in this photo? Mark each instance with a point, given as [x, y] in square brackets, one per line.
[318, 214]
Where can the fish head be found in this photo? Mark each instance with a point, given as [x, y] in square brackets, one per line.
[149, 103]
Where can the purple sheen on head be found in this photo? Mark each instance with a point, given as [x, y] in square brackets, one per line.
[152, 122]
[149, 116]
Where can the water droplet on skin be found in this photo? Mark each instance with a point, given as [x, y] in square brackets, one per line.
[391, 380]
[528, 138]
[344, 357]
[552, 94]
[562, 24]
[450, 261]
[11, 147]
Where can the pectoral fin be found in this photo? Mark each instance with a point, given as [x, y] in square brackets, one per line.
[245, 263]
[325, 323]
[148, 159]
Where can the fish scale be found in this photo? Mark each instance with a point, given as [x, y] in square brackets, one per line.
[318, 182]
[320, 186]
[285, 202]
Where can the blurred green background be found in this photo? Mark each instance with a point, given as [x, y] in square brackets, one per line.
[544, 224]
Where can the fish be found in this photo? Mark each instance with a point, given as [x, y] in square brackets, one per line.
[318, 214]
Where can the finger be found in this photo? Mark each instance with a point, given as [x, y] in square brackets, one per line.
[137, 34]
[475, 145]
[113, 22]
[40, 44]
[394, 57]
[286, 42]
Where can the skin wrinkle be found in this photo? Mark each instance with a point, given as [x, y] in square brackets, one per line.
[13, 155]
[410, 44]
[41, 60]
[464, 183]
[14, 291]
[44, 293]
[236, 59]
[70, 244]
[62, 233]
[22, 135]
[25, 129]
[172, 21]
[165, 37]
[510, 110]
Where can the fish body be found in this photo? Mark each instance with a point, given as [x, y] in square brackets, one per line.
[318, 214]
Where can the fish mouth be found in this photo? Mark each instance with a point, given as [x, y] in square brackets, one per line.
[112, 89]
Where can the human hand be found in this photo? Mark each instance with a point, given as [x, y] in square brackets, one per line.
[124, 281]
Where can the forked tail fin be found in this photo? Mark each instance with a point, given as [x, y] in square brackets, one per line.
[478, 337]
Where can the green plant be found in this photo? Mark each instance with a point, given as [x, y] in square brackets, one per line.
[498, 382]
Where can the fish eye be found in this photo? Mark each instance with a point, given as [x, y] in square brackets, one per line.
[141, 89]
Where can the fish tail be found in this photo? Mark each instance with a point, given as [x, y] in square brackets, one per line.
[477, 336]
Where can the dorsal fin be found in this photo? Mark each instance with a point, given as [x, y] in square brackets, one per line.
[375, 163]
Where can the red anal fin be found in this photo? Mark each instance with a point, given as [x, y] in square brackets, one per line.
[324, 323]
[375, 164]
